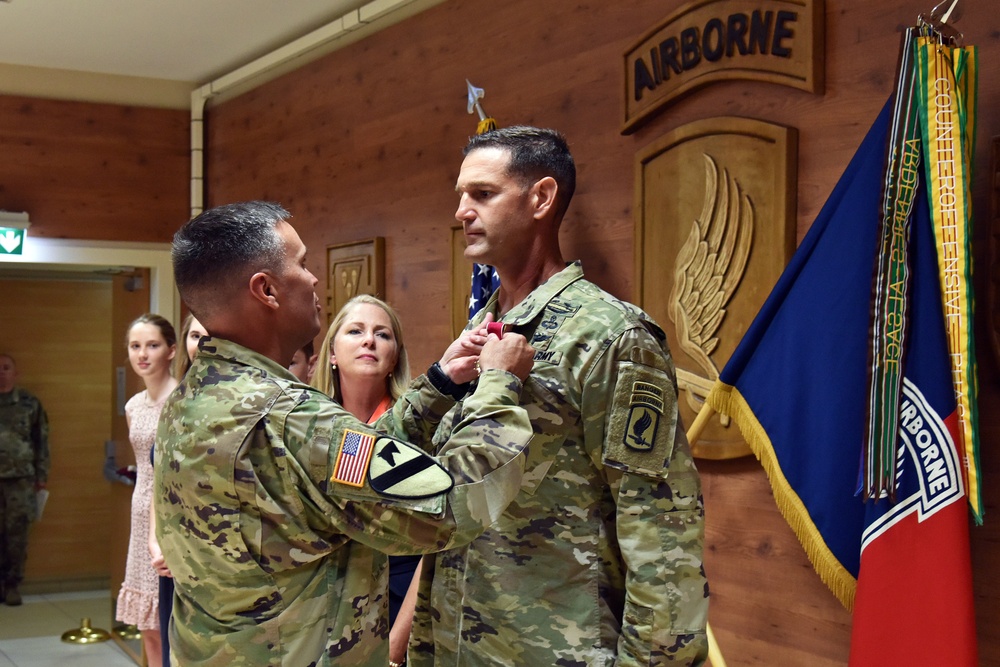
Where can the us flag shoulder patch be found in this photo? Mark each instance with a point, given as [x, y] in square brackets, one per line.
[353, 458]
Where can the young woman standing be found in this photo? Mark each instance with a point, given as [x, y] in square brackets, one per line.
[152, 345]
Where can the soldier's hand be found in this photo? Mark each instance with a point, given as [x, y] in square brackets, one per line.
[156, 558]
[459, 360]
[511, 353]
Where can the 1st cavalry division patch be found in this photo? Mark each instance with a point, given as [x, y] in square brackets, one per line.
[645, 408]
[402, 471]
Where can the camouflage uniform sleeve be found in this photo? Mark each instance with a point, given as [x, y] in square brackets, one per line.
[630, 403]
[484, 458]
[416, 415]
[40, 440]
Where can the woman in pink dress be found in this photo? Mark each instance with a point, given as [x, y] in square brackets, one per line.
[152, 345]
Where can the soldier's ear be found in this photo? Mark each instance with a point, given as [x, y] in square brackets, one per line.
[263, 288]
[543, 197]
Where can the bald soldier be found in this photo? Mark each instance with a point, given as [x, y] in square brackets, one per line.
[273, 504]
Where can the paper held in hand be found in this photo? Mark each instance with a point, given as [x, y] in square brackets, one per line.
[41, 497]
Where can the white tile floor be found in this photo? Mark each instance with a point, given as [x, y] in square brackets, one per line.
[30, 635]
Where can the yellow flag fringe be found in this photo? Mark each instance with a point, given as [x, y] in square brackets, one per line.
[727, 400]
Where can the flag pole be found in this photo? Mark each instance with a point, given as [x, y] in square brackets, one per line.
[714, 654]
[700, 421]
[693, 433]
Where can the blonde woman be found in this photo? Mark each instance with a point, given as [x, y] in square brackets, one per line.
[191, 332]
[364, 367]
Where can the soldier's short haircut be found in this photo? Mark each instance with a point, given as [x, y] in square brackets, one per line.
[534, 154]
[215, 253]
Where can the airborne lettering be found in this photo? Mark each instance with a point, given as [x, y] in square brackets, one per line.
[933, 468]
[930, 472]
[761, 32]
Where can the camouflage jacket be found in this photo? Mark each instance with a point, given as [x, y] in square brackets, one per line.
[24, 436]
[598, 560]
[271, 501]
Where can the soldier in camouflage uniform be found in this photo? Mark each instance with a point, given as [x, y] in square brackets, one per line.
[24, 470]
[271, 499]
[598, 561]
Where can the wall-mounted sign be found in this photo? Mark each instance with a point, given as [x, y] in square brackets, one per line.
[11, 241]
[715, 226]
[353, 269]
[778, 41]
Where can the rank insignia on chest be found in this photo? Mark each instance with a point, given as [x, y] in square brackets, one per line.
[353, 458]
[646, 406]
[402, 471]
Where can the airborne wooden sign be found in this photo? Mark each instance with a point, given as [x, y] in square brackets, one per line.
[778, 41]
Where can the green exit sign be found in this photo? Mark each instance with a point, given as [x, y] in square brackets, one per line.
[11, 241]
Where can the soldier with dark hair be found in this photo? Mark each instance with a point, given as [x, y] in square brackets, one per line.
[24, 470]
[274, 505]
[598, 560]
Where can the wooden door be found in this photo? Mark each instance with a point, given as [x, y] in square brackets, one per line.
[56, 327]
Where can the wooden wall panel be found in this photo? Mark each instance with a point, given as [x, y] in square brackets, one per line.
[366, 142]
[59, 333]
[94, 171]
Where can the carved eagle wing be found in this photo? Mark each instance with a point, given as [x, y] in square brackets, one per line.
[710, 265]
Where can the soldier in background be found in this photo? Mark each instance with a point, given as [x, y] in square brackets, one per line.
[273, 503]
[24, 470]
[598, 561]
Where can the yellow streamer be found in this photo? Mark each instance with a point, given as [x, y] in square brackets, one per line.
[948, 92]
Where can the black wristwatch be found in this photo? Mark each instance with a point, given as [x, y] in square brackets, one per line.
[443, 383]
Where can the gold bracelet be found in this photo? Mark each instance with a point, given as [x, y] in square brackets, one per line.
[395, 664]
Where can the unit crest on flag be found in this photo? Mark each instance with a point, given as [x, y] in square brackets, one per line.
[929, 470]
